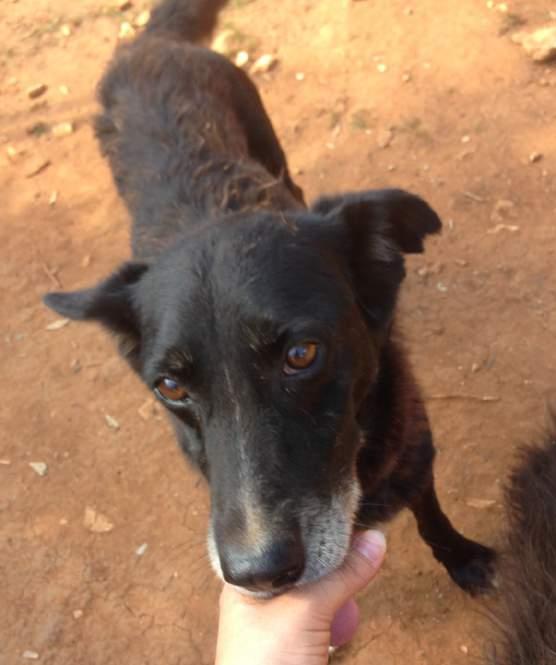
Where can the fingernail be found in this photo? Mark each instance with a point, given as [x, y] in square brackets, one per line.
[371, 545]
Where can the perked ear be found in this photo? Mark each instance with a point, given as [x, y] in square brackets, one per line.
[380, 226]
[110, 303]
[403, 218]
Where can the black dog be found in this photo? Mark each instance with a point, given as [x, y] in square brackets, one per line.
[264, 327]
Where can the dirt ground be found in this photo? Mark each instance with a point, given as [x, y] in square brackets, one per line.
[433, 97]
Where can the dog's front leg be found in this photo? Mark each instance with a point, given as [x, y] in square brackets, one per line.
[468, 563]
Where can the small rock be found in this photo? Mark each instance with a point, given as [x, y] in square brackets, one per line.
[53, 198]
[111, 422]
[57, 325]
[300, 76]
[12, 81]
[35, 166]
[62, 129]
[75, 365]
[65, 30]
[264, 64]
[5, 462]
[481, 504]
[512, 228]
[540, 44]
[535, 157]
[96, 522]
[127, 31]
[384, 138]
[148, 409]
[63, 89]
[38, 129]
[441, 287]
[40, 468]
[465, 139]
[86, 261]
[12, 153]
[408, 11]
[77, 614]
[30, 655]
[223, 42]
[464, 649]
[36, 90]
[501, 210]
[475, 367]
[140, 551]
[241, 59]
[63, 522]
[143, 18]
[382, 67]
[406, 77]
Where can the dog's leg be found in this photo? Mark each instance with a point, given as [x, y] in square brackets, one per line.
[263, 143]
[468, 563]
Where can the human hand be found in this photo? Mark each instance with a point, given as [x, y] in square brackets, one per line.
[297, 627]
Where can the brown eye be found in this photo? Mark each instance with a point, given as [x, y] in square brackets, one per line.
[300, 357]
[172, 390]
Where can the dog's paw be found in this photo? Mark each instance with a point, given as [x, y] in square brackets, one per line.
[477, 573]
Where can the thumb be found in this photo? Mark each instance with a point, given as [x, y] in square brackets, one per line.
[361, 564]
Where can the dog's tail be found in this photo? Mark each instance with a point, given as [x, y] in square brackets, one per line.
[188, 20]
[529, 585]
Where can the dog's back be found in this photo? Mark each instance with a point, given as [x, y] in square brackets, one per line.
[184, 130]
[529, 585]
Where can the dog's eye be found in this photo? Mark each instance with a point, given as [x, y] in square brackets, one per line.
[300, 357]
[171, 390]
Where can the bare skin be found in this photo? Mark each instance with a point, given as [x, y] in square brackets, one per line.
[298, 627]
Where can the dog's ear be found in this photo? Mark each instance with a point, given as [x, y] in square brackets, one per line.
[381, 226]
[111, 303]
[405, 218]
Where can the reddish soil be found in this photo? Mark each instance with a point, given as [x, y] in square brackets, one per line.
[479, 311]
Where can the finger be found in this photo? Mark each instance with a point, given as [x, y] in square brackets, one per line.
[344, 624]
[361, 564]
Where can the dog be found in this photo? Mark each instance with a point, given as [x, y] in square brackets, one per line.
[266, 327]
[528, 593]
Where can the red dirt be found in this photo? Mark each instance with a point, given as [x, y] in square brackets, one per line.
[479, 313]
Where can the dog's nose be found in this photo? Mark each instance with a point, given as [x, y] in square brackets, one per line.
[279, 565]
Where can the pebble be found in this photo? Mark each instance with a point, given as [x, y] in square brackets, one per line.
[30, 655]
[57, 325]
[12, 153]
[382, 67]
[501, 210]
[241, 59]
[384, 138]
[5, 462]
[53, 198]
[63, 89]
[77, 614]
[535, 157]
[140, 551]
[126, 30]
[62, 129]
[36, 165]
[406, 77]
[143, 18]
[512, 228]
[40, 468]
[264, 63]
[465, 139]
[441, 287]
[111, 422]
[86, 261]
[223, 42]
[464, 649]
[36, 90]
[96, 522]
[540, 44]
[300, 76]
[65, 30]
[148, 409]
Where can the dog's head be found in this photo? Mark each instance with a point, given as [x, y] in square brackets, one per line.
[262, 336]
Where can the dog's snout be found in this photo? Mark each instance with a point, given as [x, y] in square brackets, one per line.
[278, 565]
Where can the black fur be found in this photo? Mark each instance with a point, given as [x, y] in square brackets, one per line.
[232, 271]
[529, 569]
